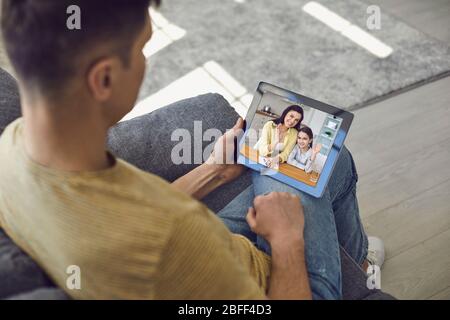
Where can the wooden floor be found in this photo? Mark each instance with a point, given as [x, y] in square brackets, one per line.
[402, 150]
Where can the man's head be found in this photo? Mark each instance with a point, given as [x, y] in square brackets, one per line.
[101, 62]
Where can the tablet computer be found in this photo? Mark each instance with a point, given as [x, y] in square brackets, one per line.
[293, 138]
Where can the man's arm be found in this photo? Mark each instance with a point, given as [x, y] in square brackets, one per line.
[220, 168]
[288, 276]
[201, 181]
[278, 217]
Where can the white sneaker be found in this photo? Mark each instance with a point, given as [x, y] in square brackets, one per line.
[375, 253]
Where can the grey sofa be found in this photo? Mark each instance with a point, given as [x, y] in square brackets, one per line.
[22, 278]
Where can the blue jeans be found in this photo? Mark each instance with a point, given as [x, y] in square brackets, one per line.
[330, 222]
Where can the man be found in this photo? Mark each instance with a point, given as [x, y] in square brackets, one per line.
[67, 201]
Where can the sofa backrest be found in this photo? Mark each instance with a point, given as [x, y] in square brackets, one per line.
[9, 100]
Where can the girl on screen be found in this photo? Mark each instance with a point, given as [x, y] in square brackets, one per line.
[304, 154]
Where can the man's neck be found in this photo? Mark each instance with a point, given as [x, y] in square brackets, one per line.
[64, 138]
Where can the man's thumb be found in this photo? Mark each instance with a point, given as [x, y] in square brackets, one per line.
[239, 124]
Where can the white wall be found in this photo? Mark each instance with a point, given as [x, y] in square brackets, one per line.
[316, 121]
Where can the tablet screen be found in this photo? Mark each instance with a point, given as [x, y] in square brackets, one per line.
[292, 138]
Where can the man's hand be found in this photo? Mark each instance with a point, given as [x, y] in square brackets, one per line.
[278, 217]
[219, 169]
[223, 155]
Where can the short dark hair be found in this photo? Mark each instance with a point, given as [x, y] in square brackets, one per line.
[42, 49]
[295, 108]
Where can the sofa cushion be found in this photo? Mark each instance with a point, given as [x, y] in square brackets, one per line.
[49, 293]
[9, 100]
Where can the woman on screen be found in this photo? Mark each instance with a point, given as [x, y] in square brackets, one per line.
[303, 155]
[279, 136]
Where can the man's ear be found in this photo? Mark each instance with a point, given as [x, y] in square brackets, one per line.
[100, 79]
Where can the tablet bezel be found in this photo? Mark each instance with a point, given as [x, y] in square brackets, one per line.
[296, 98]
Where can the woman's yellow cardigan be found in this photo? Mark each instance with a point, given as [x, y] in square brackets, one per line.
[268, 135]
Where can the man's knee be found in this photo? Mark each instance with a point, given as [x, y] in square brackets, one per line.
[344, 175]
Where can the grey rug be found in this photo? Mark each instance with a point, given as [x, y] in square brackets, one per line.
[277, 42]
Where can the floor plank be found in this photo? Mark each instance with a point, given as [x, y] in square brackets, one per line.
[400, 146]
[420, 272]
[412, 221]
[403, 179]
[396, 127]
